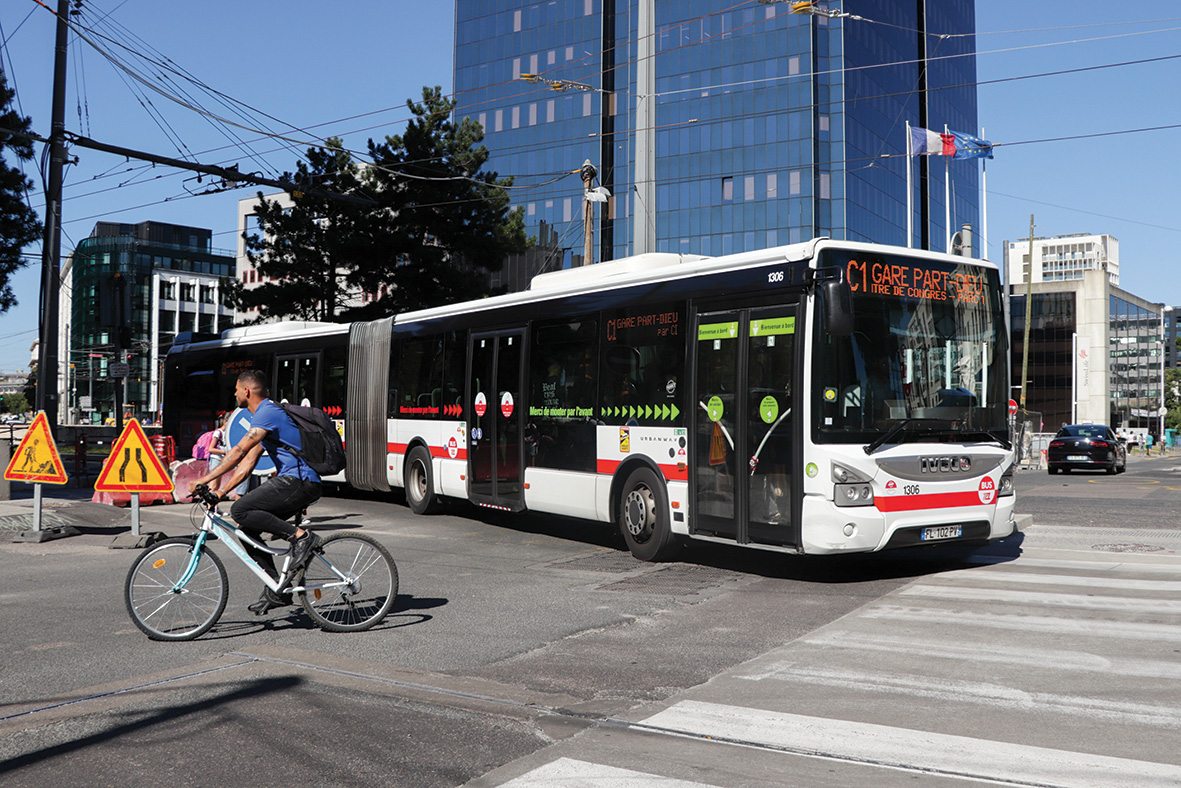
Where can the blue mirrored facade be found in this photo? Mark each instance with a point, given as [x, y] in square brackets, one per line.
[770, 127]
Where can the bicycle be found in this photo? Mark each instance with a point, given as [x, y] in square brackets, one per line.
[177, 589]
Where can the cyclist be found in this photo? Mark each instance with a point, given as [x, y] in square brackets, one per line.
[293, 488]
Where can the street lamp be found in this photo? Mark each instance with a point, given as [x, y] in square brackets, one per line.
[561, 85]
[1163, 350]
[814, 9]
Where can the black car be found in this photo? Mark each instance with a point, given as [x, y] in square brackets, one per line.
[1087, 447]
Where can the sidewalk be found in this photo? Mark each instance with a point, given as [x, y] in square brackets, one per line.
[71, 506]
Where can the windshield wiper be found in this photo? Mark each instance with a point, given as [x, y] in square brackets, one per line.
[996, 435]
[934, 424]
[901, 427]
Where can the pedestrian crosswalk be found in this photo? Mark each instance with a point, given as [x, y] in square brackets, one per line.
[1057, 667]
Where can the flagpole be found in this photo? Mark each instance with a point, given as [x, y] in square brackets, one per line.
[984, 204]
[946, 200]
[909, 192]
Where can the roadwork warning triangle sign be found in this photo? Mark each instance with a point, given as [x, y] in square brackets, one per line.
[133, 466]
[36, 459]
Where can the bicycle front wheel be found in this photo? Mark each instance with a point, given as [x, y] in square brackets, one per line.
[350, 583]
[165, 611]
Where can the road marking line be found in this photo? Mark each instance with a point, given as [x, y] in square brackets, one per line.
[1061, 659]
[1033, 598]
[1166, 633]
[1031, 657]
[911, 750]
[1104, 564]
[1033, 578]
[570, 773]
[957, 691]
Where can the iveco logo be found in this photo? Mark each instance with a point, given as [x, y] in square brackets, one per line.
[945, 464]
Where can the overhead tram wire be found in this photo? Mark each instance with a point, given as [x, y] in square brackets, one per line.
[184, 98]
[524, 176]
[166, 66]
[700, 88]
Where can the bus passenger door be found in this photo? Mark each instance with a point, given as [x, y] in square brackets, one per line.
[743, 480]
[494, 419]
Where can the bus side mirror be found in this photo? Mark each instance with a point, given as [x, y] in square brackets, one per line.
[838, 307]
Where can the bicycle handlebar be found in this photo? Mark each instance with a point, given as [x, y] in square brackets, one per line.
[207, 496]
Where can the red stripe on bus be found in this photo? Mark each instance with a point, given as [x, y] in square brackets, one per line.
[906, 503]
[674, 473]
[436, 451]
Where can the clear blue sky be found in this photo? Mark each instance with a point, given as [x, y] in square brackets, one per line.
[346, 68]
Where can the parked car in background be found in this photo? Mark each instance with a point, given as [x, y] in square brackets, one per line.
[1087, 447]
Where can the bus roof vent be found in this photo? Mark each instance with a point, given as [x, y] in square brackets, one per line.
[277, 329]
[573, 277]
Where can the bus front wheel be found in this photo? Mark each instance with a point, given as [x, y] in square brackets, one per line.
[420, 482]
[643, 517]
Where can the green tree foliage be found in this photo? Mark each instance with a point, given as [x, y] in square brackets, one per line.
[1173, 398]
[14, 403]
[449, 221]
[18, 222]
[436, 226]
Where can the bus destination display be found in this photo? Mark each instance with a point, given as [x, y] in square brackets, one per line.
[913, 279]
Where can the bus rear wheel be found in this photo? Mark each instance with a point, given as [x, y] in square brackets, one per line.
[643, 517]
[420, 482]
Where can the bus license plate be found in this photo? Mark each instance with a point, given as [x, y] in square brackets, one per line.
[942, 532]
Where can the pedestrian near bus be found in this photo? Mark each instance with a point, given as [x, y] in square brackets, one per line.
[217, 449]
[294, 487]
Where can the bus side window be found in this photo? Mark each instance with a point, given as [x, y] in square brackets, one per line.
[420, 377]
[560, 430]
[643, 365]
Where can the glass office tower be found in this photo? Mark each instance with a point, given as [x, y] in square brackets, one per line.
[769, 127]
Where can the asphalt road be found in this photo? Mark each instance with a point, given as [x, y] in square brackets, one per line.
[517, 646]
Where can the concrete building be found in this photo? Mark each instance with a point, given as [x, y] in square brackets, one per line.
[1172, 334]
[1062, 258]
[160, 280]
[1095, 353]
[729, 127]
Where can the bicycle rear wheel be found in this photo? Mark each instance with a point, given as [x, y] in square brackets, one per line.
[351, 583]
[164, 612]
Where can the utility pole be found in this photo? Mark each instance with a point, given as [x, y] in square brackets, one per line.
[588, 173]
[1028, 315]
[47, 361]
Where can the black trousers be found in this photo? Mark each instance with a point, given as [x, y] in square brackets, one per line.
[267, 508]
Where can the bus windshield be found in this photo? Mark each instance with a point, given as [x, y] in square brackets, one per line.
[928, 348]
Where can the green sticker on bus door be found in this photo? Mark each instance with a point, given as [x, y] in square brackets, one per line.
[707, 331]
[714, 408]
[772, 326]
[769, 409]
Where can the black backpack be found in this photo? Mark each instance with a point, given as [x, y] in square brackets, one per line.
[323, 450]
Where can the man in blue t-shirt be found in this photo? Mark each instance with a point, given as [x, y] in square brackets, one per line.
[293, 488]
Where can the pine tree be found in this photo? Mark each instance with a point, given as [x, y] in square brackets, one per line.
[436, 226]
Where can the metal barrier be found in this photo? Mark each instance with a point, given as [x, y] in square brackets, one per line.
[1029, 441]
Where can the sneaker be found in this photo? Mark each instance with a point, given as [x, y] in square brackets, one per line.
[268, 602]
[302, 549]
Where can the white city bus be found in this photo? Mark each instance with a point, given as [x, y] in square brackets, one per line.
[824, 397]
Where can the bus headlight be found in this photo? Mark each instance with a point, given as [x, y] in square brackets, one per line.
[844, 475]
[857, 494]
[1006, 485]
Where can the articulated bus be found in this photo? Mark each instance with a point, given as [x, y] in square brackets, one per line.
[819, 398]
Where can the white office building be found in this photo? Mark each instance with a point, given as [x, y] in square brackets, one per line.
[1062, 258]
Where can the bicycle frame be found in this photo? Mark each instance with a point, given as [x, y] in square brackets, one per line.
[233, 536]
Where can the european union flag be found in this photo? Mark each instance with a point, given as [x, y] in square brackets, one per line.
[971, 147]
